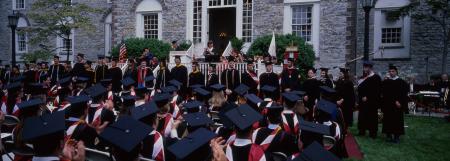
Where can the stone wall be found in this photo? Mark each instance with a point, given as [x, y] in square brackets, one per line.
[267, 17]
[5, 39]
[174, 20]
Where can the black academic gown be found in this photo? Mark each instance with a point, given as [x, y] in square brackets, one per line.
[78, 69]
[282, 142]
[56, 72]
[290, 79]
[312, 90]
[368, 111]
[212, 79]
[196, 78]
[270, 79]
[90, 74]
[101, 72]
[180, 74]
[345, 90]
[327, 82]
[394, 90]
[230, 78]
[250, 80]
[162, 78]
[116, 76]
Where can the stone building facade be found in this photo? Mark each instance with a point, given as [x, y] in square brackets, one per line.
[335, 29]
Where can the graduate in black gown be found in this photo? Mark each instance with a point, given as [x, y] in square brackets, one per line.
[290, 77]
[115, 74]
[231, 79]
[78, 68]
[324, 78]
[163, 76]
[56, 70]
[180, 73]
[369, 91]
[88, 73]
[101, 70]
[196, 76]
[345, 90]
[312, 91]
[250, 78]
[271, 79]
[212, 78]
[395, 100]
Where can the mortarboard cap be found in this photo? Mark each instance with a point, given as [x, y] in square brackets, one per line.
[82, 79]
[13, 86]
[191, 143]
[202, 92]
[218, 87]
[327, 90]
[392, 67]
[290, 97]
[55, 57]
[316, 152]
[268, 63]
[344, 70]
[40, 126]
[177, 57]
[169, 89]
[30, 104]
[193, 106]
[175, 83]
[197, 86]
[141, 90]
[197, 119]
[78, 99]
[96, 90]
[314, 127]
[298, 93]
[101, 56]
[368, 63]
[144, 110]
[126, 133]
[243, 116]
[80, 55]
[241, 89]
[128, 81]
[65, 81]
[327, 106]
[268, 88]
[128, 100]
[312, 68]
[89, 62]
[149, 78]
[19, 78]
[324, 69]
[161, 98]
[128, 97]
[105, 82]
[253, 98]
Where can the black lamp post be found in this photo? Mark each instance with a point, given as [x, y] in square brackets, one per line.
[13, 19]
[367, 5]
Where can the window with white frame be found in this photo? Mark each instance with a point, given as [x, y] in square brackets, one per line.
[65, 44]
[18, 4]
[391, 35]
[197, 21]
[247, 19]
[21, 42]
[151, 26]
[302, 21]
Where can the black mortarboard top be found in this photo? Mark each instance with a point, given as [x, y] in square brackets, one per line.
[202, 92]
[19, 78]
[30, 104]
[197, 86]
[191, 143]
[324, 69]
[55, 57]
[311, 68]
[80, 55]
[161, 98]
[241, 89]
[253, 98]
[192, 106]
[197, 119]
[82, 79]
[231, 58]
[275, 108]
[65, 81]
[77, 105]
[314, 127]
[243, 116]
[149, 78]
[174, 41]
[13, 86]
[298, 93]
[268, 88]
[327, 90]
[40, 126]
[177, 57]
[128, 97]
[175, 83]
[106, 82]
[217, 87]
[141, 90]
[96, 90]
[128, 81]
[290, 97]
[327, 106]
[268, 63]
[126, 133]
[144, 110]
[368, 63]
[89, 62]
[169, 89]
[392, 67]
[128, 100]
[249, 61]
[36, 88]
[73, 100]
[344, 70]
[316, 152]
[101, 56]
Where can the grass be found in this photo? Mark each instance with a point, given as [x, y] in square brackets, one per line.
[426, 139]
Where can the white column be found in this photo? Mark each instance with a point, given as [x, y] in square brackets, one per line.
[316, 28]
[205, 17]
[189, 19]
[239, 8]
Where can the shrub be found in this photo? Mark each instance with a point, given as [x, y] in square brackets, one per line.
[185, 45]
[135, 47]
[237, 44]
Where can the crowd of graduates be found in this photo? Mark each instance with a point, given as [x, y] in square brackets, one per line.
[176, 115]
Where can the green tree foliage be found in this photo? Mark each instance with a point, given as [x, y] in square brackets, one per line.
[185, 45]
[237, 44]
[260, 46]
[135, 47]
[37, 55]
[436, 11]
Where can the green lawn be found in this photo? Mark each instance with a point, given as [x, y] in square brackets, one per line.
[426, 139]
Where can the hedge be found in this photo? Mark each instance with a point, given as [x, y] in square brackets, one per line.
[135, 47]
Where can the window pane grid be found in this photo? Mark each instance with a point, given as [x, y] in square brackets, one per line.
[197, 18]
[391, 35]
[151, 26]
[302, 21]
[66, 45]
[20, 4]
[247, 21]
[21, 42]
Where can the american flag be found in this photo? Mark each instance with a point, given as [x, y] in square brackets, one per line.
[123, 53]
